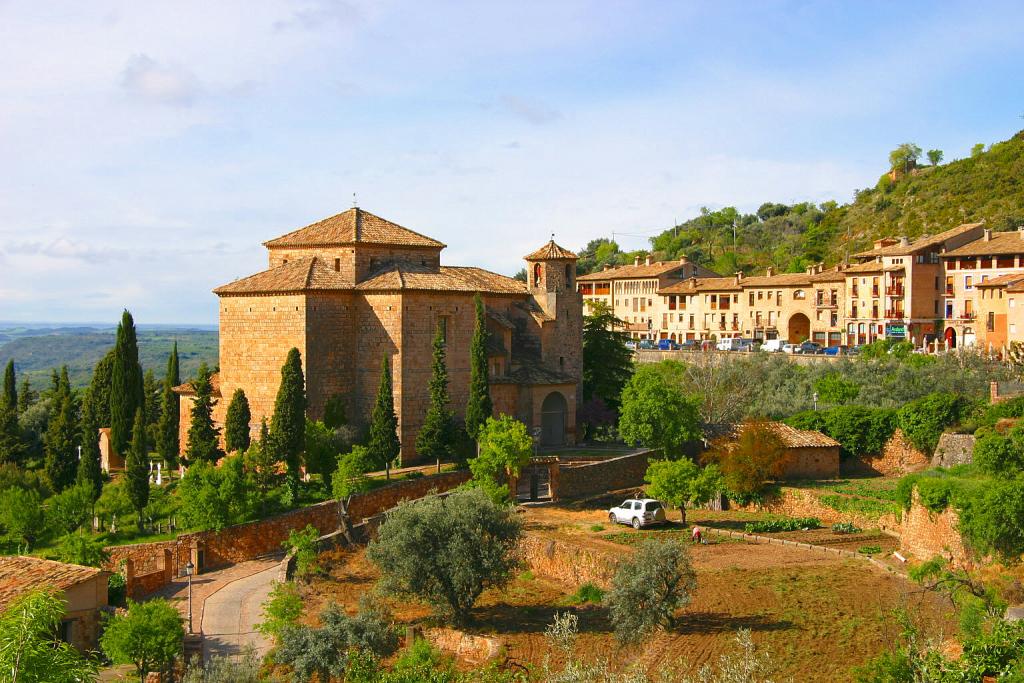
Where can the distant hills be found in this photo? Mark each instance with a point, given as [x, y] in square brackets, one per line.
[38, 347]
[987, 186]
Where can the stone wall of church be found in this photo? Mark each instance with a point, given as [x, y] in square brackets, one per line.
[341, 259]
[331, 319]
[377, 332]
[369, 259]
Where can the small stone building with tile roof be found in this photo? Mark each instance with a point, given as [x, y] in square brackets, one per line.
[353, 288]
[84, 589]
[809, 454]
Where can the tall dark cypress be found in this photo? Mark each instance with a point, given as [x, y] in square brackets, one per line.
[99, 388]
[236, 423]
[168, 441]
[136, 468]
[288, 426]
[479, 407]
[383, 445]
[9, 398]
[434, 440]
[89, 464]
[61, 441]
[125, 385]
[203, 437]
[26, 395]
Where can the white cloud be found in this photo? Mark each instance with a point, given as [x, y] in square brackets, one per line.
[164, 84]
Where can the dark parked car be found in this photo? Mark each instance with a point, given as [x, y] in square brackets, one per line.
[647, 344]
[838, 350]
[667, 345]
[811, 348]
[690, 345]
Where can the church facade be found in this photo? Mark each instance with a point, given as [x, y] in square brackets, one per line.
[354, 288]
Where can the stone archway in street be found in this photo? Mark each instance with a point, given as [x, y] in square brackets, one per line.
[799, 328]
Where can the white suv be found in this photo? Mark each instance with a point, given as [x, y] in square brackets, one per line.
[638, 512]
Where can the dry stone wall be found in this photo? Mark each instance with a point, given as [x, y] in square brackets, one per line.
[924, 533]
[897, 458]
[793, 502]
[954, 449]
[571, 564]
[607, 475]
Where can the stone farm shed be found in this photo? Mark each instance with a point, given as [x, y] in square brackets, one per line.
[809, 454]
[84, 589]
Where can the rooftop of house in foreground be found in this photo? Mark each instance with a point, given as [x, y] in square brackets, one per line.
[20, 575]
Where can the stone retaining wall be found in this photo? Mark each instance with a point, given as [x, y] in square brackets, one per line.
[578, 481]
[564, 561]
[924, 533]
[954, 449]
[898, 457]
[254, 539]
[471, 648]
[793, 502]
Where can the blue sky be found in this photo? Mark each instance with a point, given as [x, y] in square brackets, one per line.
[149, 148]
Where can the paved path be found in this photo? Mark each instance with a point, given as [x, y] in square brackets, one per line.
[231, 614]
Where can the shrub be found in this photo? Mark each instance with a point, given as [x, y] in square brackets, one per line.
[649, 587]
[447, 550]
[587, 592]
[868, 506]
[303, 544]
[999, 454]
[869, 549]
[224, 669]
[750, 459]
[923, 420]
[281, 608]
[778, 525]
[845, 528]
[149, 635]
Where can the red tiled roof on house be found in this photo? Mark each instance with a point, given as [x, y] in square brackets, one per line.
[1011, 242]
[703, 284]
[20, 575]
[550, 252]
[641, 270]
[792, 437]
[1002, 280]
[900, 249]
[351, 227]
[186, 389]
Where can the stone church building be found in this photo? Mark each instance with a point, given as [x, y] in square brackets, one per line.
[353, 288]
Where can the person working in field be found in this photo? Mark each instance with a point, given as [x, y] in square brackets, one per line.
[695, 536]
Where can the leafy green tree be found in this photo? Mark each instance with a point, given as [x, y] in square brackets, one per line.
[213, 497]
[656, 413]
[81, 549]
[350, 476]
[834, 389]
[505, 447]
[282, 608]
[935, 157]
[288, 426]
[923, 420]
[150, 400]
[236, 423]
[304, 544]
[436, 438]
[29, 649]
[261, 463]
[681, 483]
[446, 551]
[136, 468]
[648, 588]
[904, 156]
[999, 455]
[9, 398]
[750, 458]
[100, 385]
[203, 442]
[149, 635]
[22, 516]
[168, 441]
[383, 445]
[89, 471]
[322, 450]
[125, 385]
[69, 510]
[334, 411]
[977, 150]
[479, 407]
[61, 440]
[607, 363]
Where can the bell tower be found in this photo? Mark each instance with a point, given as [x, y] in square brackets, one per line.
[550, 270]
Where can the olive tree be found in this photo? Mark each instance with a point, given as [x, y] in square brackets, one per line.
[446, 550]
[648, 588]
[681, 483]
[149, 635]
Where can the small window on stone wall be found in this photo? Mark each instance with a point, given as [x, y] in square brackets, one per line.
[337, 265]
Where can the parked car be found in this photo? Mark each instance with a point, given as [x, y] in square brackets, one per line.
[638, 512]
[689, 345]
[791, 348]
[631, 345]
[748, 345]
[730, 344]
[839, 350]
[647, 345]
[707, 345]
[811, 348]
[667, 345]
[773, 345]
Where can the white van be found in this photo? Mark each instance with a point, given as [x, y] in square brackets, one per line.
[773, 345]
[731, 344]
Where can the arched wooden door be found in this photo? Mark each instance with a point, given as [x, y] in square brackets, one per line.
[552, 419]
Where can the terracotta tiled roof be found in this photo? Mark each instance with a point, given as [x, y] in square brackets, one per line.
[830, 275]
[1011, 242]
[350, 227]
[920, 243]
[866, 267]
[186, 389]
[1015, 288]
[780, 280]
[637, 327]
[550, 252]
[702, 284]
[19, 575]
[1002, 280]
[300, 275]
[656, 269]
[801, 438]
[446, 279]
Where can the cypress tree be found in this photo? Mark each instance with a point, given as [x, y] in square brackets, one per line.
[89, 465]
[99, 389]
[203, 437]
[61, 440]
[9, 399]
[383, 445]
[479, 408]
[151, 396]
[12, 446]
[125, 385]
[137, 468]
[26, 396]
[168, 441]
[288, 426]
[236, 423]
[434, 440]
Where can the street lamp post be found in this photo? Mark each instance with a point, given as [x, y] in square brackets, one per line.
[189, 569]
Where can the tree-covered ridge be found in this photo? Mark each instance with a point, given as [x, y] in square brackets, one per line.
[910, 200]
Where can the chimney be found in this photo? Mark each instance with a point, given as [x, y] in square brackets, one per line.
[904, 241]
[739, 276]
[769, 271]
[988, 234]
[1020, 231]
[683, 259]
[647, 260]
[636, 260]
[607, 266]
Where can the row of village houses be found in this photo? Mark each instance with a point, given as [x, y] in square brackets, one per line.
[962, 287]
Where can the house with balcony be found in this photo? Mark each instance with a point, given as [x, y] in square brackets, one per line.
[897, 288]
